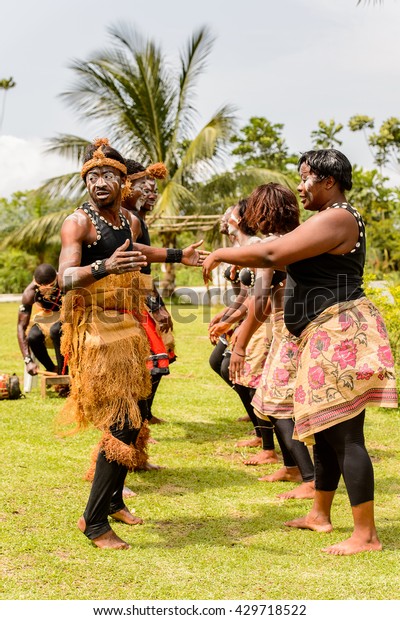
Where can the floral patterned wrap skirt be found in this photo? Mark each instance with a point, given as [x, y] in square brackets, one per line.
[256, 354]
[345, 363]
[274, 395]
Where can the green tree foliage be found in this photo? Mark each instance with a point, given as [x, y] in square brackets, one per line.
[260, 145]
[325, 137]
[23, 207]
[385, 143]
[30, 222]
[16, 270]
[380, 207]
[387, 299]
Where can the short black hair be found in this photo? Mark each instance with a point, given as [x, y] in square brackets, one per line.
[133, 166]
[45, 274]
[329, 163]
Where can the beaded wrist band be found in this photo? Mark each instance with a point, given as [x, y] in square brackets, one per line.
[174, 255]
[98, 269]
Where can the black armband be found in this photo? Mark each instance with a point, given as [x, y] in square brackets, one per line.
[99, 269]
[174, 255]
[25, 308]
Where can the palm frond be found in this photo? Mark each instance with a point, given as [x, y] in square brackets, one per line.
[68, 145]
[193, 62]
[130, 87]
[38, 233]
[175, 199]
[209, 145]
[68, 186]
[225, 189]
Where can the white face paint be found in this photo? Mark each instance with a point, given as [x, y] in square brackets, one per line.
[140, 202]
[232, 230]
[308, 188]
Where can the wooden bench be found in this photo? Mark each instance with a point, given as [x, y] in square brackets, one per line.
[47, 380]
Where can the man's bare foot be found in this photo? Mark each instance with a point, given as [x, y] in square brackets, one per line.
[250, 443]
[354, 544]
[312, 521]
[109, 540]
[127, 492]
[148, 467]
[244, 418]
[285, 474]
[306, 490]
[125, 516]
[154, 420]
[262, 458]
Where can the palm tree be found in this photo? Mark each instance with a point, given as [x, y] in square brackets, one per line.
[146, 110]
[132, 95]
[5, 85]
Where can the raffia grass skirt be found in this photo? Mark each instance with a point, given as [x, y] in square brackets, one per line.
[345, 363]
[274, 394]
[106, 351]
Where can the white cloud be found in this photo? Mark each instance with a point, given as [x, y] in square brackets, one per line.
[24, 165]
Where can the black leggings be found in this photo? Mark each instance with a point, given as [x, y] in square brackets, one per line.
[340, 450]
[148, 403]
[106, 493]
[219, 362]
[36, 342]
[297, 450]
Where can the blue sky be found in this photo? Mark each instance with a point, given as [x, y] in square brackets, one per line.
[293, 61]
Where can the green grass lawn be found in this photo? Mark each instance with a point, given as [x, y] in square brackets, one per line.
[211, 530]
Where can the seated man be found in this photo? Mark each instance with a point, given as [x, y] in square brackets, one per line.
[43, 292]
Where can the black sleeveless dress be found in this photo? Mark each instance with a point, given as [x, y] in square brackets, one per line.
[316, 283]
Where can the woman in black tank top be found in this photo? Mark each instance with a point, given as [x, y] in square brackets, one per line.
[345, 360]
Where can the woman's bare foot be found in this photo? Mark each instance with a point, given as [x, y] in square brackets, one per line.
[312, 521]
[284, 474]
[354, 544]
[306, 490]
[125, 516]
[249, 443]
[109, 540]
[262, 458]
[127, 492]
